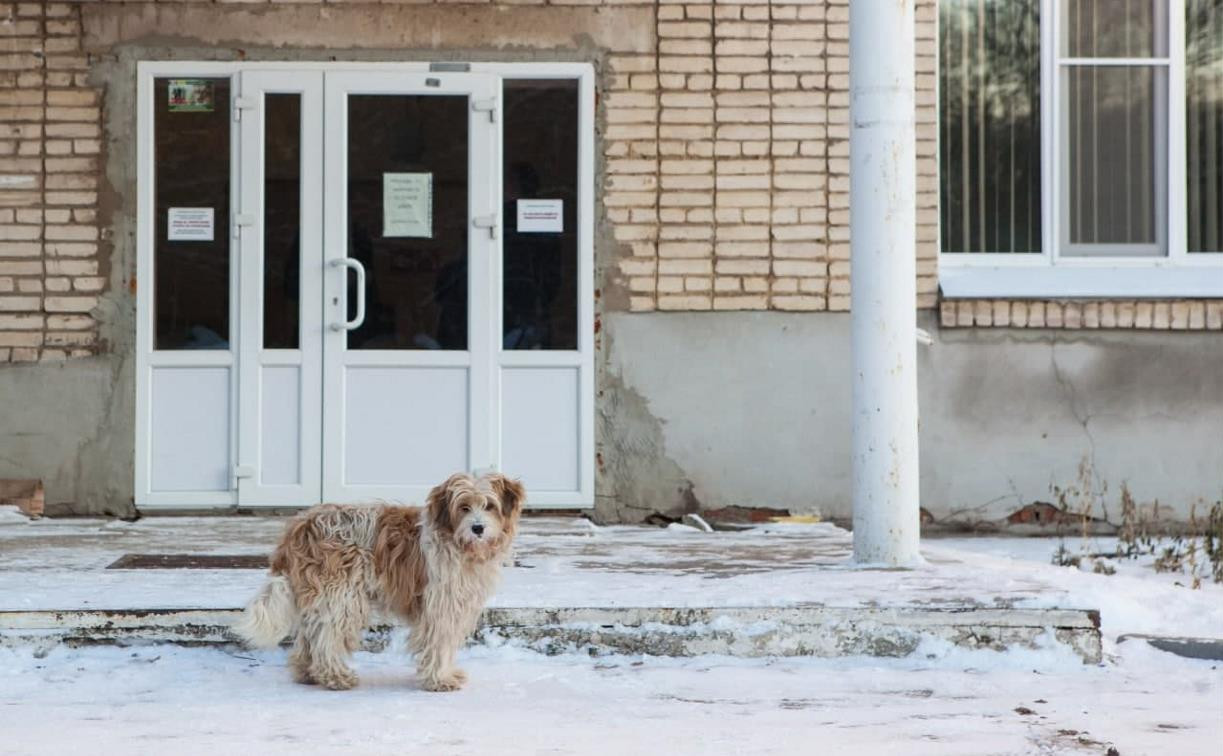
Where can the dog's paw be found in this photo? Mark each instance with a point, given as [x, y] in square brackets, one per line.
[342, 680]
[445, 683]
[303, 677]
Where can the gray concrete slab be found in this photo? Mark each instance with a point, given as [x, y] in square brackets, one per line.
[778, 590]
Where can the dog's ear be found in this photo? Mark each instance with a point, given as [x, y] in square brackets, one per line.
[438, 504]
[510, 492]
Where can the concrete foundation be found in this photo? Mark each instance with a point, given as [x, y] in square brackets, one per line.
[743, 632]
[781, 590]
[709, 410]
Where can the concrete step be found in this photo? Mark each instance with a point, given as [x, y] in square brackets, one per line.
[821, 631]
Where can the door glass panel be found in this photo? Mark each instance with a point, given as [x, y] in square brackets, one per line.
[281, 221]
[408, 219]
[191, 135]
[541, 239]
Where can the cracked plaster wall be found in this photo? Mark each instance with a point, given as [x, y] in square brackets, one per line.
[752, 409]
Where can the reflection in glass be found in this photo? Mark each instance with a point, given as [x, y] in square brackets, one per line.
[416, 291]
[281, 221]
[1113, 161]
[540, 162]
[1204, 123]
[1115, 28]
[989, 125]
[191, 134]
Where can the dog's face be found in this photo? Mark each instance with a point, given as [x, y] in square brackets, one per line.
[479, 514]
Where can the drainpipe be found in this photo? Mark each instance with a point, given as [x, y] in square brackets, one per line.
[883, 301]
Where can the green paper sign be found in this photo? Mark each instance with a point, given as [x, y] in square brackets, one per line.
[190, 96]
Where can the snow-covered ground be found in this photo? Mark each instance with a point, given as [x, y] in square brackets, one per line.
[160, 700]
[1134, 600]
[942, 700]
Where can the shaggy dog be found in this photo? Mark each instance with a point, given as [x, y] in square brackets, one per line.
[433, 567]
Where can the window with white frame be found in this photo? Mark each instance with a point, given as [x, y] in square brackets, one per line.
[1081, 146]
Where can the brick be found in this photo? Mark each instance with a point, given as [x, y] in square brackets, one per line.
[1197, 315]
[31, 322]
[68, 338]
[802, 302]
[71, 233]
[11, 232]
[73, 114]
[686, 29]
[1179, 315]
[1214, 315]
[70, 303]
[10, 303]
[69, 322]
[684, 302]
[20, 338]
[61, 267]
[685, 249]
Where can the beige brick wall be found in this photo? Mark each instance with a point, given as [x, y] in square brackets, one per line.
[726, 155]
[728, 158]
[1176, 315]
[51, 272]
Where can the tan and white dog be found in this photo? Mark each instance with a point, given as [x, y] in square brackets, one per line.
[433, 567]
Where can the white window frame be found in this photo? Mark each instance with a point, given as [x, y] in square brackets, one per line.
[148, 499]
[1052, 274]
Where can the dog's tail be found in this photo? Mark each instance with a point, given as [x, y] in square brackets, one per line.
[270, 616]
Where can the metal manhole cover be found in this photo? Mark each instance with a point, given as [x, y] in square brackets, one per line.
[190, 562]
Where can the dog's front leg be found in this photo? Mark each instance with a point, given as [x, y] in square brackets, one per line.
[435, 641]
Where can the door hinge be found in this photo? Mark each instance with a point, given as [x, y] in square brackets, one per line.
[241, 220]
[241, 103]
[488, 105]
[489, 221]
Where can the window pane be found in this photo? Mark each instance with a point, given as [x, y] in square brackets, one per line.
[1204, 117]
[541, 163]
[282, 220]
[1114, 158]
[989, 125]
[416, 266]
[191, 182]
[1115, 28]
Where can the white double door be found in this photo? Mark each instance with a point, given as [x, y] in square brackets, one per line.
[369, 359]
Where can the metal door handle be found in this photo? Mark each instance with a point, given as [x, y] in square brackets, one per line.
[352, 264]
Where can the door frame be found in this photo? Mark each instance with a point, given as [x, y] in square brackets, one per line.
[255, 361]
[148, 499]
[483, 171]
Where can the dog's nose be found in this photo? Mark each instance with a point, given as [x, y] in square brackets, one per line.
[477, 528]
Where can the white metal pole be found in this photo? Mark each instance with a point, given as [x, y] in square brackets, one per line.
[883, 281]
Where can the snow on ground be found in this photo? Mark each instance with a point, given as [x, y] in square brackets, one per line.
[1136, 599]
[942, 700]
[164, 699]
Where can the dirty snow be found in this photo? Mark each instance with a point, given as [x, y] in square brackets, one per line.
[11, 515]
[163, 699]
[941, 700]
[575, 563]
[1136, 599]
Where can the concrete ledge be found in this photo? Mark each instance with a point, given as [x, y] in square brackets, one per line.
[735, 631]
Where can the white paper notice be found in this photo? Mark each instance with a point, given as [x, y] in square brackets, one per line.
[189, 224]
[407, 205]
[541, 216]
